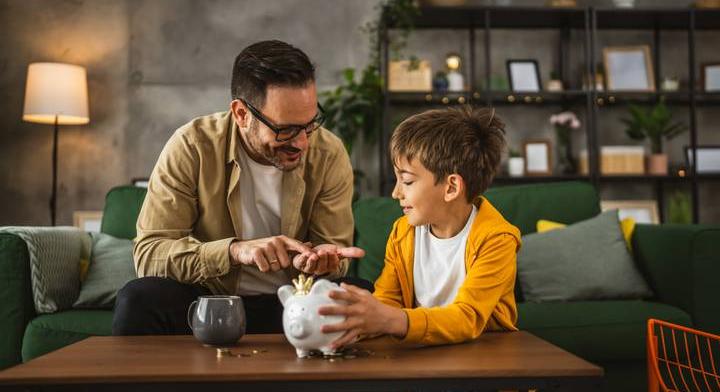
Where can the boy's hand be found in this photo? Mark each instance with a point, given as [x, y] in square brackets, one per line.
[324, 258]
[365, 316]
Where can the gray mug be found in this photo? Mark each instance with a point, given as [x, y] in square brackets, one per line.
[217, 320]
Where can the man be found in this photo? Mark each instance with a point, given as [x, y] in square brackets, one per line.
[240, 202]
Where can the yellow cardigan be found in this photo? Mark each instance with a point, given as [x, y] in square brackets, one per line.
[484, 302]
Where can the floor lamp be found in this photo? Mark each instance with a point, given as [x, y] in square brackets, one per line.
[56, 94]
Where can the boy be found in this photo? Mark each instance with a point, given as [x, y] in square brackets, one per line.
[450, 261]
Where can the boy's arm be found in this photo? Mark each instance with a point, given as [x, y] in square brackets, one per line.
[491, 276]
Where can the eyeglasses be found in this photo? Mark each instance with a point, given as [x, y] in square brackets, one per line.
[291, 131]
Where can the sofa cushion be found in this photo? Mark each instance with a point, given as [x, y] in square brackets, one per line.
[122, 207]
[524, 205]
[597, 330]
[111, 267]
[50, 332]
[585, 261]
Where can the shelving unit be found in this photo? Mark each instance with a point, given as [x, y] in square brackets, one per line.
[588, 21]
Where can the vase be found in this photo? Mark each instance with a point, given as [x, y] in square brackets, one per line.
[516, 166]
[657, 164]
[566, 162]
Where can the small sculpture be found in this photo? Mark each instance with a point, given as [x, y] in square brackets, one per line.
[301, 321]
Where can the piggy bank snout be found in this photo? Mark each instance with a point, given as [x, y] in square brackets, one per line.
[298, 330]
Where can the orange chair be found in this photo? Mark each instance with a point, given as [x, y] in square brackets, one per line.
[682, 358]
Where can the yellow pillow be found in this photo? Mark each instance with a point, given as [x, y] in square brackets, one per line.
[627, 226]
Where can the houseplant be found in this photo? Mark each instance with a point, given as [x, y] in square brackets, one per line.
[654, 124]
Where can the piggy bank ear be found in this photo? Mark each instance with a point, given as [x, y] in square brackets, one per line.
[323, 286]
[285, 292]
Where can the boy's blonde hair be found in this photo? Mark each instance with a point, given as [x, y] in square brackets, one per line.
[463, 141]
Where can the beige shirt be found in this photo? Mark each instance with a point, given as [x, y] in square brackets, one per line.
[192, 211]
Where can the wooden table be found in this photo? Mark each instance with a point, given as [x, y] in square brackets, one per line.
[495, 361]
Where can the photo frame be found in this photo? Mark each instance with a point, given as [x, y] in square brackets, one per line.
[708, 161]
[642, 211]
[88, 220]
[404, 76]
[524, 75]
[140, 182]
[711, 77]
[629, 68]
[538, 161]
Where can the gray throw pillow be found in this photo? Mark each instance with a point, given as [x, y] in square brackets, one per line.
[584, 261]
[111, 266]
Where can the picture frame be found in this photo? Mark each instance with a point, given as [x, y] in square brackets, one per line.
[140, 182]
[642, 211]
[89, 221]
[708, 161]
[629, 68]
[538, 160]
[524, 75]
[711, 77]
[404, 76]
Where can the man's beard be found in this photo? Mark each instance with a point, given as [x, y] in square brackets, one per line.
[268, 153]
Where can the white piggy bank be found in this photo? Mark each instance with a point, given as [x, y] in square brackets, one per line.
[301, 320]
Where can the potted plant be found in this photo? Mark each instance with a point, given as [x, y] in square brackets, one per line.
[654, 124]
[564, 124]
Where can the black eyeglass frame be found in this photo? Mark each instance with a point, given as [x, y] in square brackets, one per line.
[291, 130]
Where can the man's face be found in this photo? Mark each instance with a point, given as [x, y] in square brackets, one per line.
[284, 106]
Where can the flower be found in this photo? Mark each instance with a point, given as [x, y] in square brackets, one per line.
[565, 119]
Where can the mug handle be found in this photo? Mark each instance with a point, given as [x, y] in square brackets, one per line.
[189, 312]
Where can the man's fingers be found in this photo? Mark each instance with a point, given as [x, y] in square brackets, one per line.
[322, 264]
[351, 252]
[261, 262]
[281, 253]
[295, 245]
[310, 264]
[271, 257]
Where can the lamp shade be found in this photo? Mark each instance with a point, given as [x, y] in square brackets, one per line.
[56, 89]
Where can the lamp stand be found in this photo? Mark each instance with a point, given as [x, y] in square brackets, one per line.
[53, 195]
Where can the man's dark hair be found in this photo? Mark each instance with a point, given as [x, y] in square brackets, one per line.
[269, 63]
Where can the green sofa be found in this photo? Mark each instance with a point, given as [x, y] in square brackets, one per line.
[680, 262]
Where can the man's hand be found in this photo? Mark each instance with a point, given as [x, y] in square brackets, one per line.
[268, 254]
[324, 258]
[365, 315]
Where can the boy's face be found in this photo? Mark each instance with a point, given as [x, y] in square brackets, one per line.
[421, 199]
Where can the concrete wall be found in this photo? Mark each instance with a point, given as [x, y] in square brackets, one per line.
[155, 64]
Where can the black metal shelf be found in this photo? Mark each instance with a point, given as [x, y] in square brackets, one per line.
[591, 22]
[533, 179]
[502, 17]
[493, 97]
[440, 17]
[602, 98]
[643, 178]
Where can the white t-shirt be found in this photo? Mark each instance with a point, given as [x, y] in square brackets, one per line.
[439, 265]
[260, 196]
